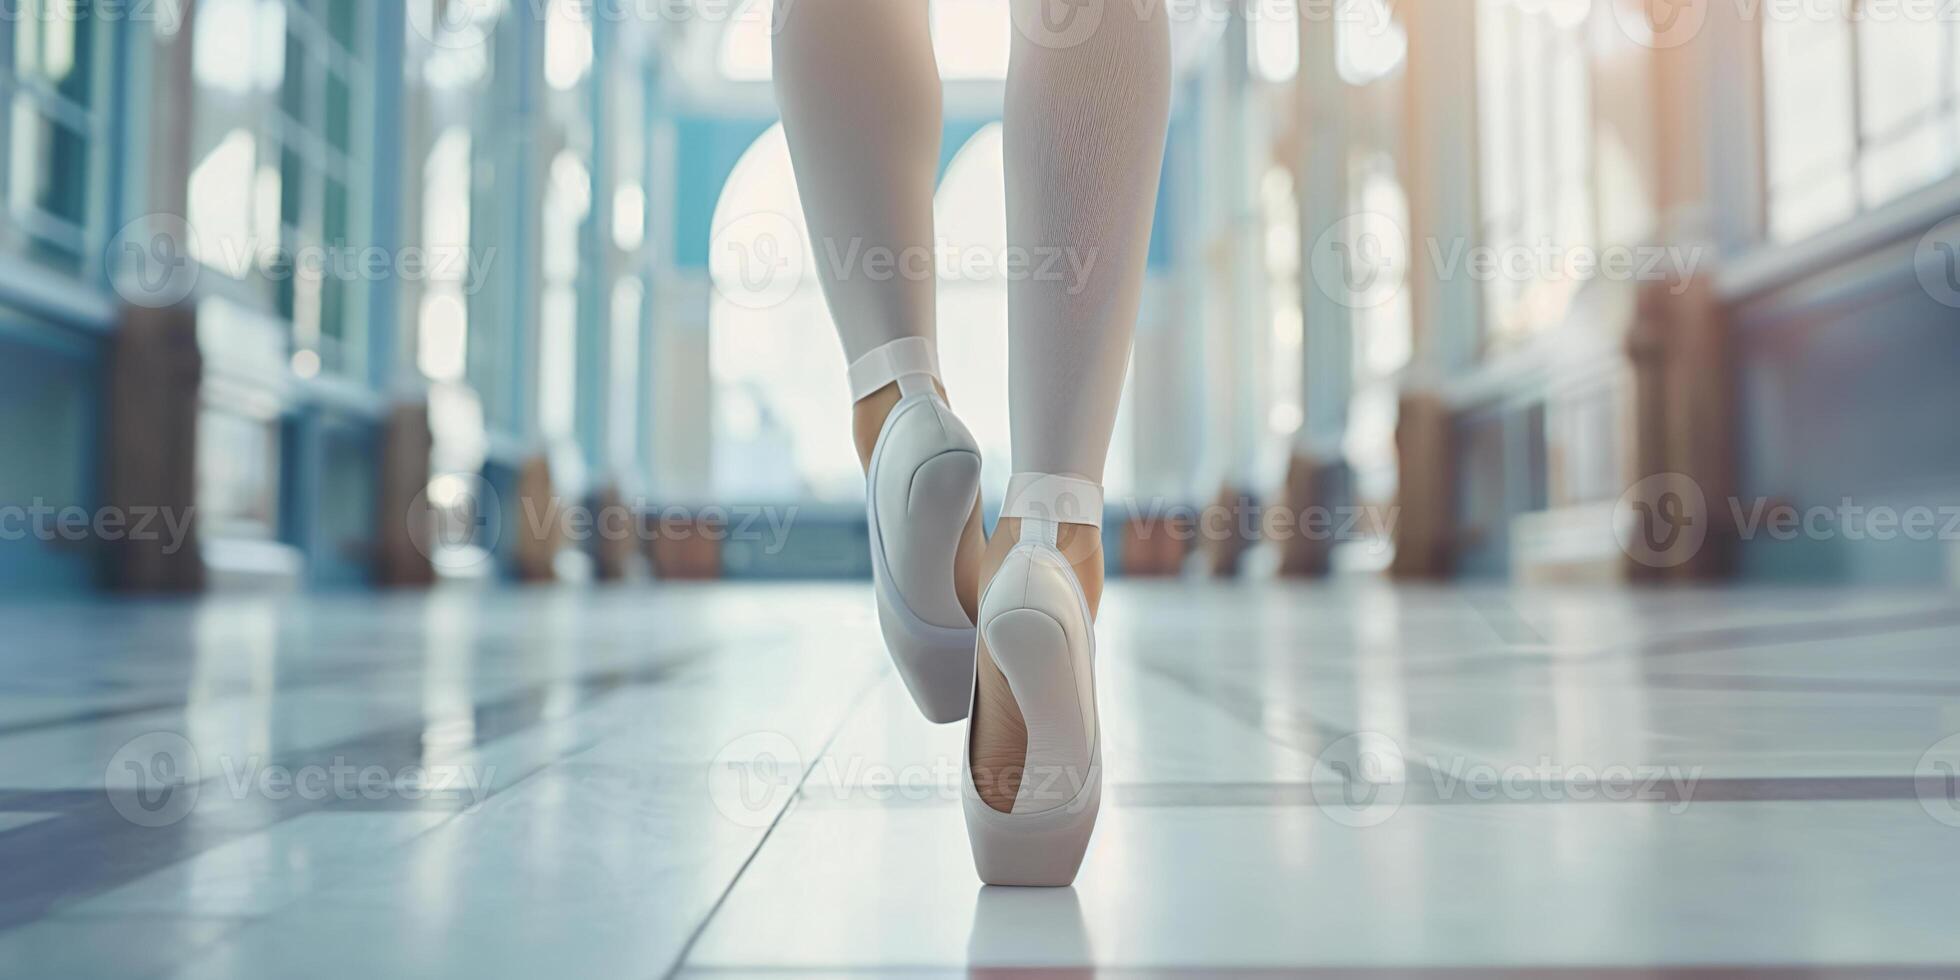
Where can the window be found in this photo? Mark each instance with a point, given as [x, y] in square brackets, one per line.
[971, 40]
[1274, 36]
[1281, 207]
[780, 398]
[1535, 116]
[747, 46]
[1383, 329]
[633, 261]
[277, 184]
[567, 201]
[442, 320]
[1859, 107]
[54, 83]
[573, 302]
[1368, 42]
[970, 217]
[1384, 337]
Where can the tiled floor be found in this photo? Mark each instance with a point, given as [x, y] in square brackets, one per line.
[726, 780]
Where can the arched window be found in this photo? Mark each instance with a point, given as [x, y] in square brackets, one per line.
[970, 212]
[780, 402]
[971, 40]
[744, 54]
[1534, 68]
[780, 395]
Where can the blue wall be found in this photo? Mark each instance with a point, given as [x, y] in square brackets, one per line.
[708, 148]
[50, 428]
[1850, 392]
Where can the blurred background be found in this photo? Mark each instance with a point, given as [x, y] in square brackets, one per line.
[318, 294]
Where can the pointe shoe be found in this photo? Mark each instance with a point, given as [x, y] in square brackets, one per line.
[919, 492]
[1036, 625]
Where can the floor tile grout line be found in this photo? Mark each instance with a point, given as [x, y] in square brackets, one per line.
[600, 692]
[789, 803]
[244, 923]
[450, 817]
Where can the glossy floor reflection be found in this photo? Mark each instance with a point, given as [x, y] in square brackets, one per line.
[696, 780]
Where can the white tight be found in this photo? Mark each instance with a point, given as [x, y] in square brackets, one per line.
[1085, 117]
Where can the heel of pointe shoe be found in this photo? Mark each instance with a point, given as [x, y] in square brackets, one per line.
[1023, 629]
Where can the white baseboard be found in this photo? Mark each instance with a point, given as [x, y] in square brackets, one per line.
[244, 564]
[1571, 545]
